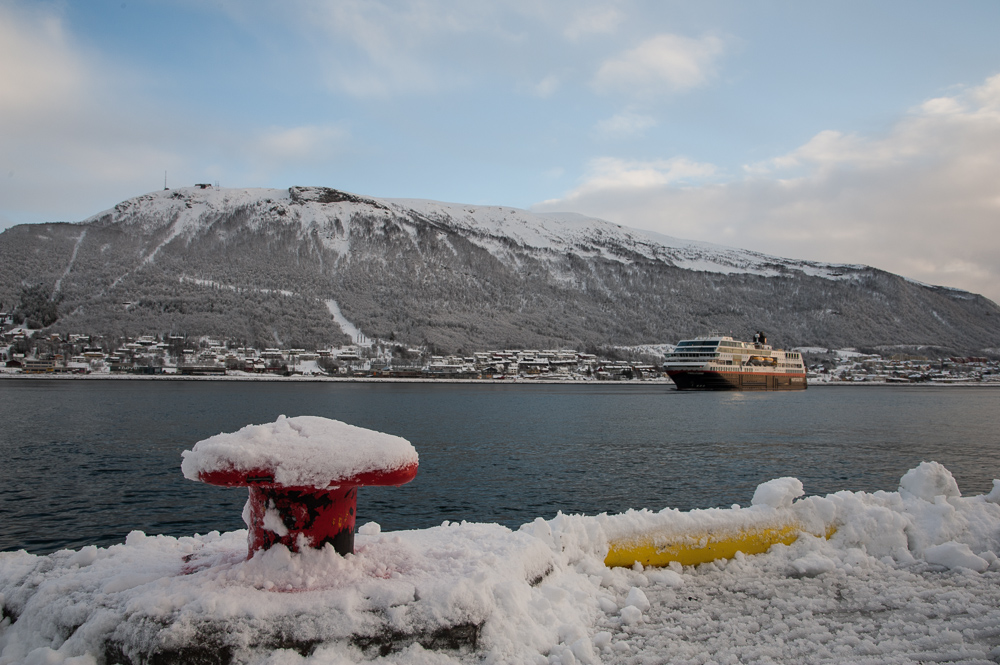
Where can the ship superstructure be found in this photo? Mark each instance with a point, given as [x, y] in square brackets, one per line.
[719, 362]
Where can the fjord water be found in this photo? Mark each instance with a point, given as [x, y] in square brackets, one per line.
[86, 461]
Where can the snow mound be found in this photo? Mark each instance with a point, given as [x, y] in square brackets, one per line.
[178, 599]
[778, 493]
[955, 555]
[908, 576]
[305, 451]
[929, 480]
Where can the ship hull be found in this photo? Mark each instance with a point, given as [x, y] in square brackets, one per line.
[709, 380]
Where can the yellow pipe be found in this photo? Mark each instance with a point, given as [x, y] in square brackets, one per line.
[693, 549]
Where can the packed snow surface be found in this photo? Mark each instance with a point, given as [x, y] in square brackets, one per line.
[305, 451]
[909, 576]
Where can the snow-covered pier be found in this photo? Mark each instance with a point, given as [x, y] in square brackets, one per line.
[900, 576]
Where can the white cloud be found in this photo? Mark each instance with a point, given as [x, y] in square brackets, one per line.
[625, 124]
[39, 68]
[305, 143]
[79, 134]
[56, 134]
[385, 48]
[373, 48]
[547, 86]
[665, 63]
[922, 200]
[609, 174]
[593, 21]
[941, 106]
[987, 96]
[390, 64]
[370, 49]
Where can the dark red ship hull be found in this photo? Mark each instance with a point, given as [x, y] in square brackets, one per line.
[702, 380]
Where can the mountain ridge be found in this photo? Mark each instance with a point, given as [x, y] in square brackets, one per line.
[262, 264]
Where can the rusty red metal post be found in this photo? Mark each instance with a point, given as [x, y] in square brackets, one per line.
[303, 517]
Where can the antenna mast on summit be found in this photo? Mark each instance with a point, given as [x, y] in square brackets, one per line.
[164, 180]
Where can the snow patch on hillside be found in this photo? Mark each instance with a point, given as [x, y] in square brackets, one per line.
[229, 287]
[349, 328]
[939, 318]
[713, 264]
[72, 260]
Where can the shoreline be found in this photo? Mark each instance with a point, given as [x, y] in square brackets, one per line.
[319, 379]
[496, 382]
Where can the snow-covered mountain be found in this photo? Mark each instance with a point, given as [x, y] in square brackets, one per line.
[304, 265]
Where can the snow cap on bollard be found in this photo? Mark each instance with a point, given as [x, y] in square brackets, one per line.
[303, 475]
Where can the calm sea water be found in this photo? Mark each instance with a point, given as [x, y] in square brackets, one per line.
[85, 462]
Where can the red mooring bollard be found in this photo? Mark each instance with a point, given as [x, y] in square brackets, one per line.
[303, 476]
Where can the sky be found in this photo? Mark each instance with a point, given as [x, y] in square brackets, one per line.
[847, 132]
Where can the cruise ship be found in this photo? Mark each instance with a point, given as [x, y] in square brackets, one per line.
[719, 362]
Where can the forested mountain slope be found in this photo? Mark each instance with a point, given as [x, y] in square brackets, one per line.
[264, 265]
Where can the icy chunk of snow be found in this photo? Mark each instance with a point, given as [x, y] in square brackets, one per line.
[247, 514]
[955, 555]
[929, 480]
[857, 558]
[813, 564]
[370, 529]
[273, 521]
[665, 577]
[49, 656]
[86, 556]
[631, 615]
[607, 605]
[994, 495]
[583, 650]
[305, 451]
[637, 598]
[778, 493]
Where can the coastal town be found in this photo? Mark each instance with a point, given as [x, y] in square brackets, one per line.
[30, 352]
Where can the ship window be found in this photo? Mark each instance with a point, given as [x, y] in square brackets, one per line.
[697, 343]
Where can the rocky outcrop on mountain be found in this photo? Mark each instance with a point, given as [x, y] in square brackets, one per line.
[273, 266]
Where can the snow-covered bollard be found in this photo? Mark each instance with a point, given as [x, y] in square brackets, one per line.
[303, 475]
